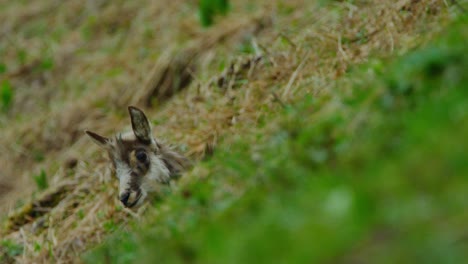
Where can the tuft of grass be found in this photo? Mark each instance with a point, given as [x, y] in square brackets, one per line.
[110, 226]
[41, 180]
[37, 247]
[3, 68]
[6, 96]
[208, 9]
[46, 64]
[9, 250]
[22, 56]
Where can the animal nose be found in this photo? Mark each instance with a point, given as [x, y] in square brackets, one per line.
[130, 198]
[124, 198]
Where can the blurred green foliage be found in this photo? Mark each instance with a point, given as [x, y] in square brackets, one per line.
[208, 9]
[9, 250]
[22, 56]
[6, 96]
[380, 179]
[3, 68]
[46, 64]
[41, 180]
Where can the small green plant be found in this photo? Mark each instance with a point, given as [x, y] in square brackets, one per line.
[6, 96]
[9, 250]
[110, 226]
[88, 28]
[3, 68]
[41, 180]
[37, 247]
[208, 9]
[22, 56]
[47, 64]
[81, 214]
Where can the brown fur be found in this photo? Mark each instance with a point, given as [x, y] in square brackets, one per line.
[157, 161]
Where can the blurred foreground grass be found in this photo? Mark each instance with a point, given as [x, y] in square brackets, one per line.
[379, 177]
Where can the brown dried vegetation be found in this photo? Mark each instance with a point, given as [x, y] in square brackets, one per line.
[198, 86]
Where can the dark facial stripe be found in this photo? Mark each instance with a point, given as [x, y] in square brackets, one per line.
[135, 181]
[138, 171]
[125, 150]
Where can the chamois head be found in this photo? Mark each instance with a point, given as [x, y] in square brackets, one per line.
[139, 160]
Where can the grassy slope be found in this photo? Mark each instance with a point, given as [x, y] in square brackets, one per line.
[77, 65]
[377, 175]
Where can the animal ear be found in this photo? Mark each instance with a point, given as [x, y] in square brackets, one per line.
[98, 139]
[140, 125]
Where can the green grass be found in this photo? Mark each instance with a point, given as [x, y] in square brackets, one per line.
[41, 180]
[208, 9]
[9, 250]
[6, 96]
[375, 175]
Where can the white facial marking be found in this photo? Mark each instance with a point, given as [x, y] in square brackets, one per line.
[133, 196]
[142, 198]
[158, 173]
[123, 172]
[158, 170]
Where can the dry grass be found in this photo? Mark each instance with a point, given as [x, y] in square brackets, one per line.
[107, 56]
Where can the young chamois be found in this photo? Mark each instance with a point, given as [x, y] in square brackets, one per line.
[139, 160]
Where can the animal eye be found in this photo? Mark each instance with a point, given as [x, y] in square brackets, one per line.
[141, 156]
